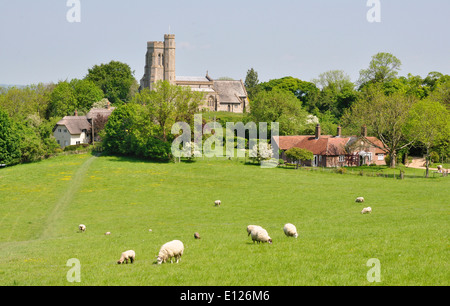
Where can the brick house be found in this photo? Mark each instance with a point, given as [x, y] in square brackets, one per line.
[334, 151]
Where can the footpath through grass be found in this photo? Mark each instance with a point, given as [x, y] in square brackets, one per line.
[42, 205]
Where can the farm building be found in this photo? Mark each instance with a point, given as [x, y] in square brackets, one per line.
[334, 151]
[73, 130]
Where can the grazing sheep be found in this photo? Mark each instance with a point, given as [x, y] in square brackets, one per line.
[217, 203]
[439, 168]
[196, 235]
[367, 210]
[260, 235]
[82, 227]
[251, 227]
[290, 230]
[108, 233]
[359, 200]
[131, 255]
[170, 250]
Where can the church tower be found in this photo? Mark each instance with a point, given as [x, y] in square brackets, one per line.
[169, 58]
[159, 62]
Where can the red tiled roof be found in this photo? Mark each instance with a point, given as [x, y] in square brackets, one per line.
[325, 145]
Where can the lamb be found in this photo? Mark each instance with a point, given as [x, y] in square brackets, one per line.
[169, 250]
[82, 227]
[359, 200]
[251, 227]
[217, 203]
[196, 235]
[290, 230]
[131, 255]
[260, 235]
[367, 210]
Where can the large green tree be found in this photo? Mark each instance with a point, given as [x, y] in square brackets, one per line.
[429, 123]
[279, 106]
[115, 79]
[169, 103]
[383, 67]
[385, 117]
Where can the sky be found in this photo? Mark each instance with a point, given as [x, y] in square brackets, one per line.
[298, 38]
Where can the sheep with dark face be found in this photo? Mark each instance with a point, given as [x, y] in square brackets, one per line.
[127, 255]
[359, 200]
[82, 227]
[217, 203]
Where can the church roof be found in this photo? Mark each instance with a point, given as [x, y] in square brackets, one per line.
[230, 91]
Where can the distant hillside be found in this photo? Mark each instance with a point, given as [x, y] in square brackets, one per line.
[6, 86]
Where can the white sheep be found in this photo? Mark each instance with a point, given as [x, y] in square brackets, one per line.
[439, 168]
[217, 203]
[359, 200]
[82, 227]
[251, 227]
[127, 255]
[170, 250]
[367, 210]
[290, 230]
[260, 235]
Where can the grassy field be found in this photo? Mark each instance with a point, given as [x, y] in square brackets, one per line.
[43, 203]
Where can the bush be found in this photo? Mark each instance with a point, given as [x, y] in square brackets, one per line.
[341, 170]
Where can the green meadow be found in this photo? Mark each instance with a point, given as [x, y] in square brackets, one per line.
[42, 204]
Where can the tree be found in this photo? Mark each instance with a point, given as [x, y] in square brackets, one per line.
[383, 67]
[62, 100]
[337, 92]
[86, 94]
[115, 79]
[384, 116]
[251, 82]
[279, 106]
[429, 123]
[298, 154]
[169, 103]
[9, 140]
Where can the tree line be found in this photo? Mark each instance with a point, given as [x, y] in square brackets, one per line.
[406, 113]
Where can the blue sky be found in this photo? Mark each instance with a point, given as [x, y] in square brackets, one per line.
[296, 38]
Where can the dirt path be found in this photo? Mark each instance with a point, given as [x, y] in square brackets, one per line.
[419, 163]
[66, 199]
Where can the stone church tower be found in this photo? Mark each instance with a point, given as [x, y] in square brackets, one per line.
[159, 62]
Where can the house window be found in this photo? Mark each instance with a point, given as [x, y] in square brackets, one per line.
[341, 158]
[65, 131]
[78, 142]
[59, 130]
[380, 156]
[58, 142]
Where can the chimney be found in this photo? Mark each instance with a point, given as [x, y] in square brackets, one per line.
[109, 105]
[76, 113]
[339, 131]
[364, 131]
[318, 131]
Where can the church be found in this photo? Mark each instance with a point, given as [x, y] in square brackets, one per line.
[219, 95]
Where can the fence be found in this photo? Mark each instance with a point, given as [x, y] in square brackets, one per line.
[404, 173]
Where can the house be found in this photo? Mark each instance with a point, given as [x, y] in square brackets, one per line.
[334, 151]
[74, 130]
